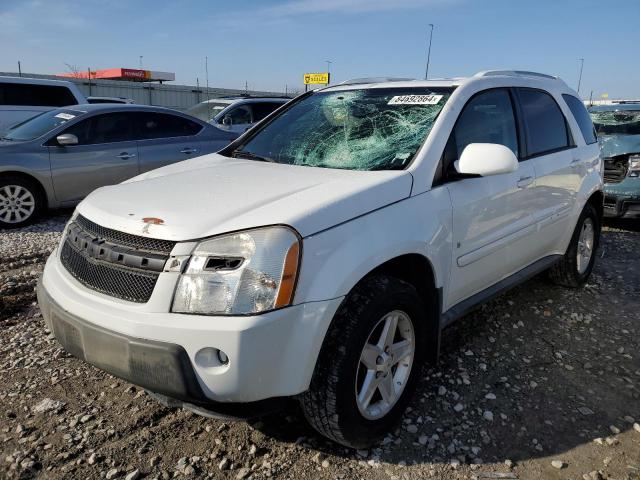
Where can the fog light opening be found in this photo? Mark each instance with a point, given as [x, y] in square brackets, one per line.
[223, 357]
[212, 359]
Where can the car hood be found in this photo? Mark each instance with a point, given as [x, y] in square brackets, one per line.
[213, 194]
[613, 145]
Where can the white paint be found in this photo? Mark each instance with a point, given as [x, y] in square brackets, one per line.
[474, 232]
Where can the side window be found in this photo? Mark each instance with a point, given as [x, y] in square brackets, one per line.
[544, 122]
[240, 115]
[487, 118]
[582, 117]
[262, 109]
[35, 95]
[106, 128]
[164, 125]
[81, 130]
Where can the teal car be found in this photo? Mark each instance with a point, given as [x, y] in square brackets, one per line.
[618, 130]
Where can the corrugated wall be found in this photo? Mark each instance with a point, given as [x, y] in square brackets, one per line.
[179, 97]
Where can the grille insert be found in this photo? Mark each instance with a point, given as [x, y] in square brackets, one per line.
[125, 239]
[115, 263]
[125, 283]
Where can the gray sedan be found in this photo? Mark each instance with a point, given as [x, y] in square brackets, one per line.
[58, 157]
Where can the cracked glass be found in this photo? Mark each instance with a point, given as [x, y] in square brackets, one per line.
[365, 129]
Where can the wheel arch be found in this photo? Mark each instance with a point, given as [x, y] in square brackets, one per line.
[417, 270]
[26, 176]
[597, 200]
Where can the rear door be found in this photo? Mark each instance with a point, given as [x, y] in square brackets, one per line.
[106, 154]
[559, 170]
[490, 214]
[165, 138]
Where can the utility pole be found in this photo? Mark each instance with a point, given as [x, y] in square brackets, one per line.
[89, 77]
[206, 70]
[19, 69]
[140, 62]
[329, 62]
[426, 73]
[580, 77]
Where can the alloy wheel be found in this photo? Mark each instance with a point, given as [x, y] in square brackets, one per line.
[586, 242]
[385, 365]
[17, 204]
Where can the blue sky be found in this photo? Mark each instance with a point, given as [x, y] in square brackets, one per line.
[272, 43]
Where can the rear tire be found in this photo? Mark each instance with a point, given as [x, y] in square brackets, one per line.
[355, 355]
[577, 263]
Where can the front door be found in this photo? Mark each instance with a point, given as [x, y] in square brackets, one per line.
[106, 154]
[491, 213]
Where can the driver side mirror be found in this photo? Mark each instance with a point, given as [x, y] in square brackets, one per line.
[227, 120]
[486, 159]
[67, 139]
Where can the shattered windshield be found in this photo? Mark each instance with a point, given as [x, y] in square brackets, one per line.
[618, 122]
[367, 129]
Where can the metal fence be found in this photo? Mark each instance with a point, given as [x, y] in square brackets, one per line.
[179, 97]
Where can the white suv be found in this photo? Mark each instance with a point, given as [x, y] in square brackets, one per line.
[320, 255]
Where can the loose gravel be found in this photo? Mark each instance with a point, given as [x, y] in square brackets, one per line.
[542, 383]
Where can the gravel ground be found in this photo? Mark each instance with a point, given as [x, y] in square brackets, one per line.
[542, 383]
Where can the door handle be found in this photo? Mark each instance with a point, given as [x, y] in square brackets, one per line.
[524, 181]
[126, 155]
[189, 150]
[575, 160]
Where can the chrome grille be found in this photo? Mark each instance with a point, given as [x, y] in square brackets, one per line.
[115, 263]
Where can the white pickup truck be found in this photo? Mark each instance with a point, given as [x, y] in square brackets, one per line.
[320, 255]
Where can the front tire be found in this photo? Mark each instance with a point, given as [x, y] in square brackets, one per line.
[20, 202]
[369, 363]
[577, 263]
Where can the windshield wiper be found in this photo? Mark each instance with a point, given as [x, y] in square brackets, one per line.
[6, 139]
[250, 155]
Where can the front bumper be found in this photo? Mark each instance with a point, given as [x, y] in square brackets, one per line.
[270, 355]
[622, 199]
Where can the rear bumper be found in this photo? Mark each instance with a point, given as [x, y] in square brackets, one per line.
[270, 355]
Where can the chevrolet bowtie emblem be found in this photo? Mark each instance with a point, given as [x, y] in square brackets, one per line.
[153, 220]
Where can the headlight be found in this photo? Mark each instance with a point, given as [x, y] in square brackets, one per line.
[634, 165]
[241, 273]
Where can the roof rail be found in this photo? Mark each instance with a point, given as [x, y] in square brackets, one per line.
[513, 73]
[360, 81]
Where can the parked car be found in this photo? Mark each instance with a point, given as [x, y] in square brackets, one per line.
[109, 100]
[59, 157]
[618, 129]
[22, 98]
[320, 255]
[236, 115]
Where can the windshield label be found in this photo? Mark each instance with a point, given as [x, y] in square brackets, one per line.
[65, 116]
[415, 100]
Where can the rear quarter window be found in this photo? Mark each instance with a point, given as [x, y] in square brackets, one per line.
[579, 112]
[35, 95]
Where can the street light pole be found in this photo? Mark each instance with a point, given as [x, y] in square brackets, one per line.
[329, 62]
[426, 73]
[140, 62]
[580, 77]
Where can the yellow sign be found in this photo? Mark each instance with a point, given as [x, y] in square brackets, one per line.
[605, 95]
[316, 78]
